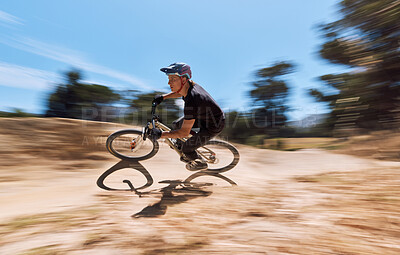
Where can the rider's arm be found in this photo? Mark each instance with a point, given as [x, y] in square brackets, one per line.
[172, 95]
[180, 133]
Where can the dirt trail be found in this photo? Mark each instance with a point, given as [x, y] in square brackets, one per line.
[303, 202]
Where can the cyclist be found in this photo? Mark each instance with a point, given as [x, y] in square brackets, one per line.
[200, 111]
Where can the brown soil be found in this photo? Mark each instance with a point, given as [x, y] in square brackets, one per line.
[302, 202]
[383, 145]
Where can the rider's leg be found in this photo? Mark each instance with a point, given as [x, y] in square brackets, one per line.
[193, 160]
[190, 156]
[177, 124]
[199, 139]
[193, 143]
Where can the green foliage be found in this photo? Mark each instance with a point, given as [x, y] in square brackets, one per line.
[270, 93]
[75, 99]
[238, 127]
[16, 113]
[168, 110]
[267, 117]
[366, 40]
[256, 140]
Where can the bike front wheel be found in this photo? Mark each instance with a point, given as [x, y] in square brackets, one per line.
[128, 144]
[220, 156]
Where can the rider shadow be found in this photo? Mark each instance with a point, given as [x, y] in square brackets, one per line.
[176, 192]
[170, 197]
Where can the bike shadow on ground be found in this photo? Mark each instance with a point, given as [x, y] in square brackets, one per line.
[176, 191]
[125, 164]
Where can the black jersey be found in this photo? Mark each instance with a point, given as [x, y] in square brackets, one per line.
[201, 106]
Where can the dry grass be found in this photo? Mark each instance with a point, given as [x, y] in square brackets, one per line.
[291, 144]
[384, 145]
[53, 138]
[333, 213]
[352, 212]
[44, 250]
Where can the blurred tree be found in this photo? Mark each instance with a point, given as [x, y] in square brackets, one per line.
[16, 112]
[270, 97]
[77, 100]
[168, 110]
[366, 39]
[237, 127]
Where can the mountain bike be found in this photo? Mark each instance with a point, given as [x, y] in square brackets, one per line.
[135, 145]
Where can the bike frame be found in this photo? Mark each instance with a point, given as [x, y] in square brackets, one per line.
[161, 126]
[169, 140]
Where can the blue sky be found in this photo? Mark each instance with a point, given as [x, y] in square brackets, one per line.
[124, 43]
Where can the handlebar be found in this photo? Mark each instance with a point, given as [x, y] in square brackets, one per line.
[153, 108]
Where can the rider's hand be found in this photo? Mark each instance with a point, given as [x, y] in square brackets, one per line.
[158, 99]
[155, 134]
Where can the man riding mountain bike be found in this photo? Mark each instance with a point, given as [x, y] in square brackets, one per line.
[200, 111]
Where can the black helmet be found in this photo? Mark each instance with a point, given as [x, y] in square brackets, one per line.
[180, 69]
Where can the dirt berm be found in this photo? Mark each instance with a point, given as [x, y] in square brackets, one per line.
[301, 202]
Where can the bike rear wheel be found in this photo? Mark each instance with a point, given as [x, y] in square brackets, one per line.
[220, 156]
[128, 144]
